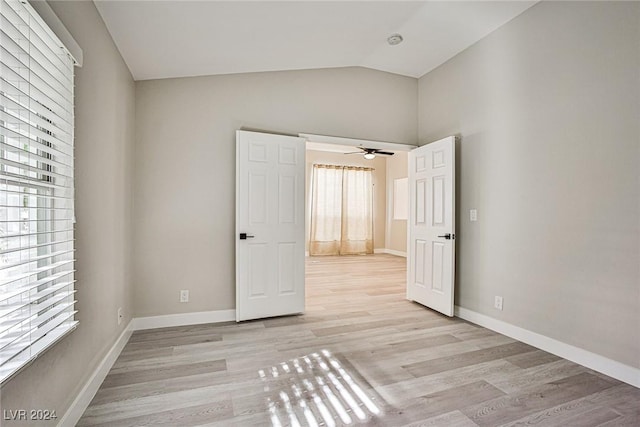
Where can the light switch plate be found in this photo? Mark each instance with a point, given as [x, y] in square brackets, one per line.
[473, 215]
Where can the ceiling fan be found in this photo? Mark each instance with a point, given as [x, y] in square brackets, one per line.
[370, 153]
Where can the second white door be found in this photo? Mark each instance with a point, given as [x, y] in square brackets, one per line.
[431, 240]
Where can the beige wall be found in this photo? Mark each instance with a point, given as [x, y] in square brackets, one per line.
[185, 164]
[396, 230]
[379, 188]
[548, 110]
[104, 115]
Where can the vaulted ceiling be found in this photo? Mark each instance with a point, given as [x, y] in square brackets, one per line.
[162, 39]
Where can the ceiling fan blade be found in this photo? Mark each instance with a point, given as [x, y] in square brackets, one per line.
[354, 152]
[385, 153]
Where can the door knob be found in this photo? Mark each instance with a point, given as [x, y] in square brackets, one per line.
[448, 236]
[245, 236]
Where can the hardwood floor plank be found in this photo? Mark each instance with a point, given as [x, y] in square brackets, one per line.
[622, 398]
[357, 327]
[387, 356]
[401, 393]
[460, 396]
[169, 401]
[164, 372]
[536, 376]
[422, 343]
[533, 358]
[513, 407]
[157, 387]
[174, 332]
[185, 417]
[622, 422]
[574, 413]
[129, 355]
[455, 361]
[172, 342]
[450, 419]
[474, 332]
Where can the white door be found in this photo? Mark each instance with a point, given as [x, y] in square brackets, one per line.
[269, 225]
[431, 241]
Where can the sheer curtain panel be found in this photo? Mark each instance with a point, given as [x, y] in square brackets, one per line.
[36, 188]
[357, 211]
[341, 210]
[326, 210]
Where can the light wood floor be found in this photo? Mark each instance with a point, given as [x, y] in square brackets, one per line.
[361, 355]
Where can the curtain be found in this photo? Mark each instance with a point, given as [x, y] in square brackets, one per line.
[341, 210]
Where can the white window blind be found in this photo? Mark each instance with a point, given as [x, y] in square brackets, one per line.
[36, 188]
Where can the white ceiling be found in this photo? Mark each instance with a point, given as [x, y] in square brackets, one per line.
[161, 39]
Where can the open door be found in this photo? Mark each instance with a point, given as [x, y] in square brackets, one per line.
[269, 225]
[431, 240]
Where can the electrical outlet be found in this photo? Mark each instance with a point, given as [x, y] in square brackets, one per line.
[184, 295]
[498, 303]
[473, 215]
[120, 315]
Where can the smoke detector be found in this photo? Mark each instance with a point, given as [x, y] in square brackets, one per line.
[394, 39]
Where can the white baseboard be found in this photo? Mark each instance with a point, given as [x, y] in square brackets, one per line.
[396, 253]
[390, 252]
[604, 365]
[183, 319]
[81, 402]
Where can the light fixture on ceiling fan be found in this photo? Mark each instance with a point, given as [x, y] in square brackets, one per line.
[370, 153]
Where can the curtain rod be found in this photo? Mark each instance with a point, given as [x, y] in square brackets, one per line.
[343, 166]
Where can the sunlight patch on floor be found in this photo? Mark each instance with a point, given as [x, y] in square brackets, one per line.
[316, 390]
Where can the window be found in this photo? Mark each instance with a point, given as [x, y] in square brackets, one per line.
[36, 188]
[341, 210]
[401, 198]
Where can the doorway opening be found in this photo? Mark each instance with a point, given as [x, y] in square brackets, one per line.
[338, 277]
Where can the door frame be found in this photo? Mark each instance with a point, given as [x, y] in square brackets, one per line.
[325, 141]
[353, 142]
